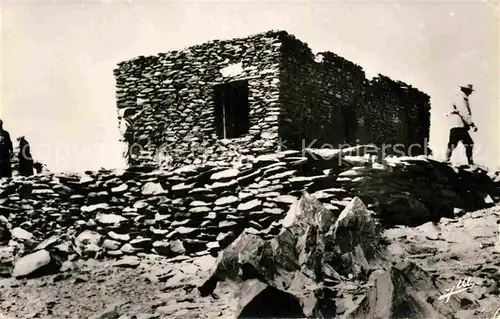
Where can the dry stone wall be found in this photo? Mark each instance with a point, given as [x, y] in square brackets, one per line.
[321, 97]
[167, 104]
[396, 114]
[168, 100]
[328, 100]
[200, 209]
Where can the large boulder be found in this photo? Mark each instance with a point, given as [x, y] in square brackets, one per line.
[312, 246]
[35, 264]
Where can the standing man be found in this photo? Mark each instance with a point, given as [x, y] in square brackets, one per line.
[6, 152]
[25, 158]
[461, 123]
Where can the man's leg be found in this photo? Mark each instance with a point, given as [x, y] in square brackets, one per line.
[7, 169]
[452, 143]
[469, 147]
[4, 168]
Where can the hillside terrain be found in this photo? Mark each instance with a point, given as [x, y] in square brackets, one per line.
[324, 235]
[167, 288]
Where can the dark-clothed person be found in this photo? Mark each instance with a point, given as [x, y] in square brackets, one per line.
[6, 152]
[38, 167]
[25, 158]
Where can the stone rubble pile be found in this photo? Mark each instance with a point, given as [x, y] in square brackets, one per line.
[425, 189]
[200, 209]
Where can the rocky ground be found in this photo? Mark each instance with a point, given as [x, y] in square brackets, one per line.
[294, 236]
[157, 287]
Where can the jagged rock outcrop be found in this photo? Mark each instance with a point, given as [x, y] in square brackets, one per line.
[304, 269]
[313, 250]
[405, 291]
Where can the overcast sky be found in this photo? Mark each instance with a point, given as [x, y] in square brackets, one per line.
[57, 60]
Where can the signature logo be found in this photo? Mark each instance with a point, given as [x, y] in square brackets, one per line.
[497, 314]
[461, 286]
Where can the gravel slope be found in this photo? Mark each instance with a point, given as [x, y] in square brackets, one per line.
[161, 288]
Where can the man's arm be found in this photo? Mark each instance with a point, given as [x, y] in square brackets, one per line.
[464, 114]
[26, 152]
[9, 143]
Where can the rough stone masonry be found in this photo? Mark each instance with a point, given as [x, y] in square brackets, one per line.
[279, 95]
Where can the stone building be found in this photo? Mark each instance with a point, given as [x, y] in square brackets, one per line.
[256, 95]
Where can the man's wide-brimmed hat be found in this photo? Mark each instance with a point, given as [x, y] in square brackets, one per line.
[469, 87]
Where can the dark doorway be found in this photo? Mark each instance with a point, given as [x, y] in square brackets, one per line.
[231, 109]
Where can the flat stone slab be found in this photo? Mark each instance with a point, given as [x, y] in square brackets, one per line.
[30, 263]
[128, 262]
[249, 205]
[229, 173]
